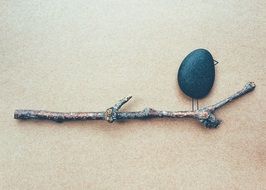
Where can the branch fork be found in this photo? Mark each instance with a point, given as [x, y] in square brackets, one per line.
[204, 115]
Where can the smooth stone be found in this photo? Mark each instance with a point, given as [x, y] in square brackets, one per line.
[196, 74]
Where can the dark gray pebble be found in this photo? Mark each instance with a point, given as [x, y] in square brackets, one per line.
[196, 74]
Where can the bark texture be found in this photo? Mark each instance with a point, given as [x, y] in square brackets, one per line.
[204, 115]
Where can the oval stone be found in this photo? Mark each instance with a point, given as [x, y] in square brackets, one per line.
[196, 74]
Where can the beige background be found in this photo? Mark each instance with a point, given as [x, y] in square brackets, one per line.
[85, 55]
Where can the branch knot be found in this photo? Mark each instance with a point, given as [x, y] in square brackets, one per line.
[111, 113]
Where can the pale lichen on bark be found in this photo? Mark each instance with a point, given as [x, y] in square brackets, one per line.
[204, 115]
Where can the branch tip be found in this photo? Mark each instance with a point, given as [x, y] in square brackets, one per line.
[128, 98]
[250, 86]
[121, 102]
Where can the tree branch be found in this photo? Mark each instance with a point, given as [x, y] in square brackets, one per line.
[204, 115]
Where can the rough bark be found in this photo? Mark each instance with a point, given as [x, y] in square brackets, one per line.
[204, 115]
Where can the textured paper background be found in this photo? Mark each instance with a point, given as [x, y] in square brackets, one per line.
[85, 55]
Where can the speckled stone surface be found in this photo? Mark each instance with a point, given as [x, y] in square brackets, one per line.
[196, 74]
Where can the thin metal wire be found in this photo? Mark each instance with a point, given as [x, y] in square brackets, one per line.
[197, 104]
[192, 104]
[215, 62]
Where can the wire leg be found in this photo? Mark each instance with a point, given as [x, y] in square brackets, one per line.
[192, 104]
[197, 104]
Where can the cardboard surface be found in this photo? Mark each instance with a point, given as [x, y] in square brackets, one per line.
[85, 55]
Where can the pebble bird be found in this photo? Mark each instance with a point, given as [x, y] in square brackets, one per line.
[196, 74]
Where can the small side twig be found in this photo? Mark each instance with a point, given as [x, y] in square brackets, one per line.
[204, 115]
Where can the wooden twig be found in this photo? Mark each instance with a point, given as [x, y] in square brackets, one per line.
[204, 115]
